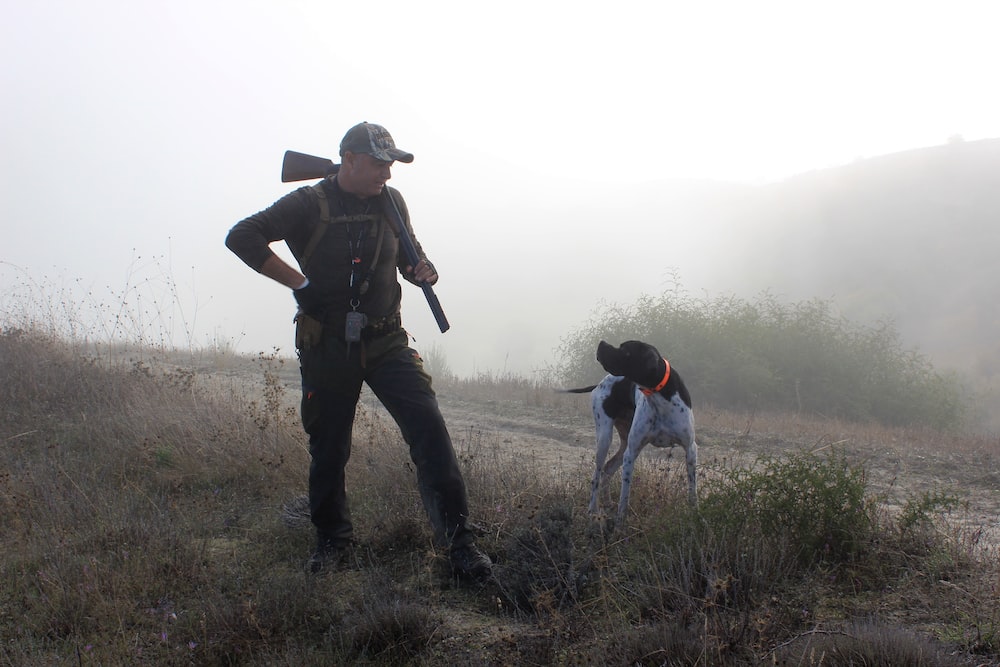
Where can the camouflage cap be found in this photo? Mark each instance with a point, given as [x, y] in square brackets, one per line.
[374, 140]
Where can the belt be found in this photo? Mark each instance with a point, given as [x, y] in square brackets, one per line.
[382, 326]
[376, 327]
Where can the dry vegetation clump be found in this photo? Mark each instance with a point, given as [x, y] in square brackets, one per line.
[150, 514]
[862, 644]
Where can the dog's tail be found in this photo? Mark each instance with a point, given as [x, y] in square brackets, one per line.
[578, 390]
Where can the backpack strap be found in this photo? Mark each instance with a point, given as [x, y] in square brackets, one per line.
[324, 222]
[378, 252]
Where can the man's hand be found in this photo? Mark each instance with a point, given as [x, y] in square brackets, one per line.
[424, 273]
[308, 299]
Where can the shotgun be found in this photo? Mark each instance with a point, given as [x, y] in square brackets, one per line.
[300, 166]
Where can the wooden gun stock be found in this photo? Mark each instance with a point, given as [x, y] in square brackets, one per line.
[300, 167]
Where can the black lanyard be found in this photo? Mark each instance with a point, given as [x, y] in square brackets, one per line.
[355, 256]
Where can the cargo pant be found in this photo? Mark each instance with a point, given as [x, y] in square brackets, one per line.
[331, 386]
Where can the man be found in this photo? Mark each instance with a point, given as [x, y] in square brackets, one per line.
[348, 331]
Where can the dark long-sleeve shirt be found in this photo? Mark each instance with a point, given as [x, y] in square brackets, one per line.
[342, 259]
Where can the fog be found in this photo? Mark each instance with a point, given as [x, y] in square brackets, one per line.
[563, 150]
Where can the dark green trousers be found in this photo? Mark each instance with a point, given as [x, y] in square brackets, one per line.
[331, 386]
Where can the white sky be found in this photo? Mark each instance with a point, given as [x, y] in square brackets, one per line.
[134, 134]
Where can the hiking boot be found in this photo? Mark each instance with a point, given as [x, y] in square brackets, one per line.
[327, 557]
[468, 561]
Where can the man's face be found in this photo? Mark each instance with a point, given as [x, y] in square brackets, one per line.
[366, 176]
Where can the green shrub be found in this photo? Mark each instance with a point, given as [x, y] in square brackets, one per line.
[816, 506]
[764, 354]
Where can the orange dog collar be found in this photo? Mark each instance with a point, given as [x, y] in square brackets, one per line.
[663, 382]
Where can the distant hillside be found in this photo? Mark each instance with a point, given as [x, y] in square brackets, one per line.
[912, 237]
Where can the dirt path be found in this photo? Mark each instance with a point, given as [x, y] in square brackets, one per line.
[545, 434]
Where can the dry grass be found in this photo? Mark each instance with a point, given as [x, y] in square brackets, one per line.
[141, 523]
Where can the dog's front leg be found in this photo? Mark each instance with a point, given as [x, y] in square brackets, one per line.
[610, 468]
[691, 458]
[603, 430]
[628, 464]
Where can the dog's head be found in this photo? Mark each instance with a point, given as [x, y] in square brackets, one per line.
[633, 359]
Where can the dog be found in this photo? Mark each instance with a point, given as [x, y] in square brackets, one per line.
[647, 403]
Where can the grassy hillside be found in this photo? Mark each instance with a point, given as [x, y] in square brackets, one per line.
[149, 515]
[909, 237]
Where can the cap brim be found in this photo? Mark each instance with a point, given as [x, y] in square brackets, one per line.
[393, 155]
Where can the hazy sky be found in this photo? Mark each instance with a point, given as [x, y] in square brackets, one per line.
[135, 134]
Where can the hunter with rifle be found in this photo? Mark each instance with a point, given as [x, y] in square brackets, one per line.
[350, 233]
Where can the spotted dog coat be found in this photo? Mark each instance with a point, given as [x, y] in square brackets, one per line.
[647, 403]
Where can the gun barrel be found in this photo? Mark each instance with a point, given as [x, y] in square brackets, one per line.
[410, 249]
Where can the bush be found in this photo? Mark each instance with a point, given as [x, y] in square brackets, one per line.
[818, 508]
[767, 355]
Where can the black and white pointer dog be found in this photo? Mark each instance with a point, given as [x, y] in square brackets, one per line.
[647, 403]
